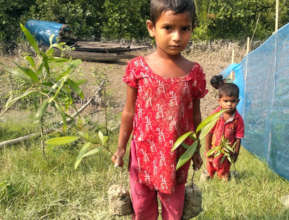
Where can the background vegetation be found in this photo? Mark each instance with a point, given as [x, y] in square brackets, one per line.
[114, 20]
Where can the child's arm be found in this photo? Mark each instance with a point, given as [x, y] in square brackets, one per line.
[237, 149]
[125, 126]
[197, 160]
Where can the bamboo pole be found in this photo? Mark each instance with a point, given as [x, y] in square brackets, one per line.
[277, 16]
[247, 52]
[231, 76]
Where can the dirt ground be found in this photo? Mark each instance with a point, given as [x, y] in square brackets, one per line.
[213, 57]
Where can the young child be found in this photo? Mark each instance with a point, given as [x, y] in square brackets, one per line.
[230, 125]
[163, 102]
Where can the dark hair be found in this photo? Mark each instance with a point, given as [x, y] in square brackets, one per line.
[225, 89]
[157, 7]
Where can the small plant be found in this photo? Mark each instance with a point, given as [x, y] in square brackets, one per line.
[47, 80]
[197, 136]
[225, 149]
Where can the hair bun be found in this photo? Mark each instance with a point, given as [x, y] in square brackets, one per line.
[216, 81]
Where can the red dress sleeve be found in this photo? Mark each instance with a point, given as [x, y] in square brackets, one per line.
[200, 83]
[130, 75]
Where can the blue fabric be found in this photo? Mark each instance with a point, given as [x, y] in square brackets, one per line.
[263, 79]
[42, 30]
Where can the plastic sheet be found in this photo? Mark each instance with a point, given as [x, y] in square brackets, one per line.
[263, 79]
[42, 30]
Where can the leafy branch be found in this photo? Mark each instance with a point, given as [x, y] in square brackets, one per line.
[197, 136]
[225, 148]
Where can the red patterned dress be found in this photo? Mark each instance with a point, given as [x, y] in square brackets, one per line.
[163, 112]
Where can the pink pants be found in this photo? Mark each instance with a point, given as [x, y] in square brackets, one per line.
[144, 199]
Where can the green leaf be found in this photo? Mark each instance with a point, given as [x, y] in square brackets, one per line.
[207, 128]
[102, 138]
[211, 151]
[74, 86]
[88, 137]
[229, 159]
[29, 72]
[228, 147]
[223, 158]
[30, 39]
[41, 110]
[84, 153]
[58, 59]
[187, 155]
[11, 101]
[30, 61]
[218, 153]
[61, 140]
[181, 139]
[214, 117]
[185, 146]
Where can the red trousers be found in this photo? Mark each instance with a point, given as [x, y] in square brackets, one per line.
[145, 199]
[216, 165]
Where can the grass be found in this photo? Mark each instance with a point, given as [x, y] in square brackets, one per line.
[34, 188]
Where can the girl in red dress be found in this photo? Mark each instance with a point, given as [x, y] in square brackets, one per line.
[163, 102]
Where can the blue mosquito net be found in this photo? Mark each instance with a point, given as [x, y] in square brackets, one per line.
[263, 79]
[42, 30]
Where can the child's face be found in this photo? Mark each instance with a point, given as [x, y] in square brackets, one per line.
[228, 103]
[171, 31]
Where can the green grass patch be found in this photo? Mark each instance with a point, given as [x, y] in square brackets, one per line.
[32, 187]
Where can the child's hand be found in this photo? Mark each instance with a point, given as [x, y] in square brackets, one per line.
[234, 157]
[210, 158]
[117, 157]
[197, 161]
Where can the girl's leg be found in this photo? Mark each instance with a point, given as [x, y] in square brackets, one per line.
[224, 170]
[210, 168]
[144, 200]
[173, 204]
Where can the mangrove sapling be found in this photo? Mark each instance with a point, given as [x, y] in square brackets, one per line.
[48, 82]
[197, 136]
[226, 150]
[193, 195]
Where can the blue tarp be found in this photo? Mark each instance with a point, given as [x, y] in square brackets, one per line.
[263, 79]
[42, 30]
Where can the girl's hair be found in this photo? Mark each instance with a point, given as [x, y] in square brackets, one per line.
[157, 7]
[225, 89]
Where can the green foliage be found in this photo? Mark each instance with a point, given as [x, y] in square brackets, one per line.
[125, 19]
[197, 136]
[10, 15]
[87, 150]
[47, 79]
[238, 19]
[225, 149]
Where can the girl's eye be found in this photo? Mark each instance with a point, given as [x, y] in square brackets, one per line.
[187, 28]
[168, 27]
